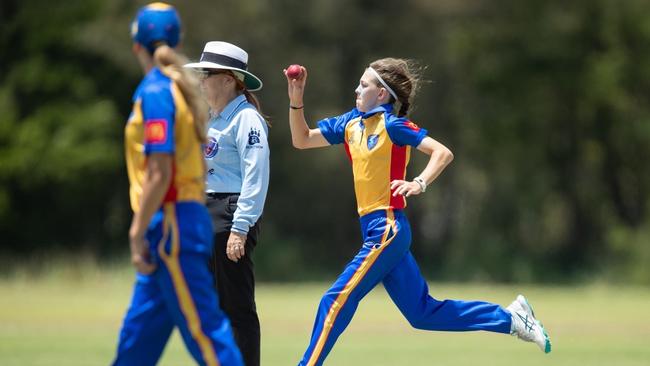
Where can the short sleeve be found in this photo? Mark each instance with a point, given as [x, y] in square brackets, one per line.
[333, 128]
[158, 111]
[404, 132]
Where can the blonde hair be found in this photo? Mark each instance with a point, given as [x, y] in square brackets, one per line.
[401, 75]
[188, 83]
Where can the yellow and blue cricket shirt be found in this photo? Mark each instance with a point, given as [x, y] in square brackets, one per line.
[177, 293]
[378, 144]
[161, 122]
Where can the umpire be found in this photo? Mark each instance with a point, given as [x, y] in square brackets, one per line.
[237, 158]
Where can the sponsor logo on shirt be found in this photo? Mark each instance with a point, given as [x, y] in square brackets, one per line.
[155, 131]
[211, 148]
[413, 126]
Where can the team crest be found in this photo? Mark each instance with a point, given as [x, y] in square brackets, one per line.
[211, 148]
[253, 137]
[372, 141]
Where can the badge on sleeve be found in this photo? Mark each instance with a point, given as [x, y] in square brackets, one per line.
[413, 126]
[253, 137]
[254, 141]
[155, 131]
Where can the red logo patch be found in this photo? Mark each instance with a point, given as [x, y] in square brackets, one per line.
[413, 126]
[155, 131]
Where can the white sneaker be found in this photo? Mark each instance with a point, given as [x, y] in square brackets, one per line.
[525, 326]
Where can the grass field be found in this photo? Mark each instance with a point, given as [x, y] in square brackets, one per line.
[70, 315]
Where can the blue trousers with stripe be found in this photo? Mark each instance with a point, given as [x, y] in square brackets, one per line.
[385, 257]
[179, 293]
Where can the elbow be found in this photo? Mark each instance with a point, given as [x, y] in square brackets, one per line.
[162, 177]
[159, 171]
[300, 141]
[446, 156]
[298, 144]
[449, 156]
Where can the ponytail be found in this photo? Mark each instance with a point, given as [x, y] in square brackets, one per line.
[404, 78]
[188, 84]
[403, 109]
[252, 99]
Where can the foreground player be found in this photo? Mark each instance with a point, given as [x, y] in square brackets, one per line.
[378, 142]
[171, 232]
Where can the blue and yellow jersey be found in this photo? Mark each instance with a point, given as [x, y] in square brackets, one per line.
[161, 122]
[378, 144]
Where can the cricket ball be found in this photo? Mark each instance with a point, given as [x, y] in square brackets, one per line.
[294, 71]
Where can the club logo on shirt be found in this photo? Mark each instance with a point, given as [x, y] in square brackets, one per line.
[372, 141]
[211, 148]
[253, 137]
[155, 131]
[254, 141]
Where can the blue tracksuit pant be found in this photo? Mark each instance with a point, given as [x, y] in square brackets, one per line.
[179, 293]
[385, 257]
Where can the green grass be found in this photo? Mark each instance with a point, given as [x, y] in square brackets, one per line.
[70, 315]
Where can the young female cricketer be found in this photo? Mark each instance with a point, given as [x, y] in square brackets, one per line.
[171, 233]
[378, 143]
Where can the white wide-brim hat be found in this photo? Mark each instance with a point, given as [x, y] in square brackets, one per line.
[227, 56]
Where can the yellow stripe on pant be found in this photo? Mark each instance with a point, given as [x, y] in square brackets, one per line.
[350, 286]
[180, 286]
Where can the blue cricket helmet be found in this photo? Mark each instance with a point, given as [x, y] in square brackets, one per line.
[156, 22]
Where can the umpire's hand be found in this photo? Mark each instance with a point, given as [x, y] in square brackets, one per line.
[236, 246]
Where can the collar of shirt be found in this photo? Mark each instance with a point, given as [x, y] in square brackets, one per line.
[151, 75]
[230, 109]
[379, 109]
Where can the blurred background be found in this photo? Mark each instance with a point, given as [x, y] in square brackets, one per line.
[544, 104]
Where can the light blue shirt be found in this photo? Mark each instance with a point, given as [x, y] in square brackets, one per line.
[237, 158]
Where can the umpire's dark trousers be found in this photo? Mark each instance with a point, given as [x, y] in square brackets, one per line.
[235, 282]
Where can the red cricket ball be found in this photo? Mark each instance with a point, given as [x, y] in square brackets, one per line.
[294, 71]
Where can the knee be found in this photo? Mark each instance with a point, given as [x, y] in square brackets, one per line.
[330, 296]
[327, 300]
[422, 320]
[416, 322]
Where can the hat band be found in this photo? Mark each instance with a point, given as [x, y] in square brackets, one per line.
[223, 60]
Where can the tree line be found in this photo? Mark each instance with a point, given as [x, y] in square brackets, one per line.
[544, 104]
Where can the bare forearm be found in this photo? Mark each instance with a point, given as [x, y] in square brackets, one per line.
[299, 128]
[437, 163]
[440, 157]
[302, 136]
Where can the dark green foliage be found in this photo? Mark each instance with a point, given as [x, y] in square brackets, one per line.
[544, 103]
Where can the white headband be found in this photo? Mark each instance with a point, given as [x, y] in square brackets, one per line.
[384, 83]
